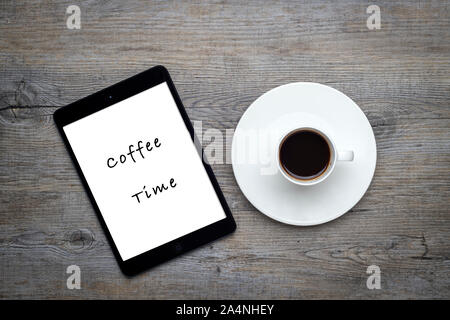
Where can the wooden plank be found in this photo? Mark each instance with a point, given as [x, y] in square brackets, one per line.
[222, 56]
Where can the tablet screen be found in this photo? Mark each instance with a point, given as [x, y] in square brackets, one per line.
[144, 171]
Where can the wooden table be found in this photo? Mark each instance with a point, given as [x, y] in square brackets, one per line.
[223, 55]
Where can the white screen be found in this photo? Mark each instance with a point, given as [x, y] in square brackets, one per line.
[189, 202]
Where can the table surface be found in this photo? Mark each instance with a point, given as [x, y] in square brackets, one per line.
[223, 55]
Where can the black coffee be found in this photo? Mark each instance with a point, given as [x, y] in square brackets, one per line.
[304, 154]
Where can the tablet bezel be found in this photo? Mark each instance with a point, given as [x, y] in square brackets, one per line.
[107, 97]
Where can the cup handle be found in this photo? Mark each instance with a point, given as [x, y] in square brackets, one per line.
[345, 156]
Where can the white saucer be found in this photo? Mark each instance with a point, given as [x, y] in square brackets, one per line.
[270, 192]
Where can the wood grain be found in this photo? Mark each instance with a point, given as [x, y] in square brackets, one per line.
[222, 55]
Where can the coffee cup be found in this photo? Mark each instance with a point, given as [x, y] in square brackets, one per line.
[307, 155]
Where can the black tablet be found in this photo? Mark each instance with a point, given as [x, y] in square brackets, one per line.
[133, 147]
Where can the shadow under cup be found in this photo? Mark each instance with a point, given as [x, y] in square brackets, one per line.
[305, 154]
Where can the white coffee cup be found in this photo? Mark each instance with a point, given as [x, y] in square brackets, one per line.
[335, 155]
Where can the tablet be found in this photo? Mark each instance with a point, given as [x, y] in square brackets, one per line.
[133, 147]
